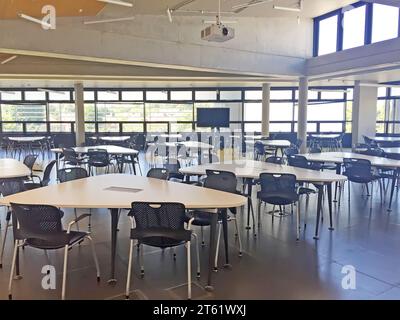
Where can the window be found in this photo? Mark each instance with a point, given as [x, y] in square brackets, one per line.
[354, 27]
[395, 92]
[108, 95]
[119, 112]
[156, 95]
[59, 95]
[380, 116]
[35, 95]
[90, 116]
[132, 95]
[230, 95]
[181, 95]
[385, 22]
[312, 95]
[61, 112]
[206, 95]
[87, 95]
[382, 92]
[170, 112]
[252, 112]
[253, 95]
[327, 37]
[332, 95]
[10, 95]
[31, 113]
[281, 95]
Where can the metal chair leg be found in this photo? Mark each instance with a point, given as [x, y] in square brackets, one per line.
[189, 270]
[14, 258]
[96, 261]
[217, 248]
[239, 238]
[128, 278]
[64, 279]
[298, 221]
[3, 244]
[141, 262]
[197, 255]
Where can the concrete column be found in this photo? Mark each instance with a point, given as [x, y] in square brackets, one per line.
[79, 115]
[266, 89]
[302, 113]
[364, 112]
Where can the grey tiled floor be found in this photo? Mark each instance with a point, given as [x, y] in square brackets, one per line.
[273, 266]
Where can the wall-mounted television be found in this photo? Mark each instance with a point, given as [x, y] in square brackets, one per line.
[213, 117]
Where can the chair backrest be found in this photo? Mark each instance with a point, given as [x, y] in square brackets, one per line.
[221, 180]
[298, 143]
[369, 141]
[30, 160]
[70, 155]
[47, 172]
[278, 183]
[158, 173]
[315, 149]
[302, 162]
[167, 215]
[259, 148]
[291, 151]
[275, 159]
[69, 174]
[11, 186]
[356, 168]
[374, 151]
[98, 157]
[37, 222]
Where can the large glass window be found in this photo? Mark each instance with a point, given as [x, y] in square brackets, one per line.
[90, 116]
[327, 35]
[32, 113]
[118, 112]
[170, 112]
[385, 22]
[252, 112]
[354, 27]
[61, 112]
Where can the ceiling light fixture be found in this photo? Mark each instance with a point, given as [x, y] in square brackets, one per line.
[249, 4]
[109, 20]
[293, 9]
[8, 59]
[32, 19]
[118, 2]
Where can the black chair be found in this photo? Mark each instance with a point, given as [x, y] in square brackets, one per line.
[291, 151]
[160, 225]
[29, 161]
[302, 162]
[260, 151]
[317, 149]
[70, 157]
[70, 174]
[158, 173]
[223, 181]
[98, 158]
[275, 159]
[297, 143]
[373, 151]
[370, 142]
[7, 188]
[279, 190]
[40, 227]
[360, 171]
[43, 182]
[173, 166]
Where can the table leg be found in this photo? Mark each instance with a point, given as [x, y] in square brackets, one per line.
[225, 230]
[249, 203]
[57, 164]
[213, 246]
[394, 179]
[114, 226]
[319, 207]
[133, 164]
[329, 186]
[338, 171]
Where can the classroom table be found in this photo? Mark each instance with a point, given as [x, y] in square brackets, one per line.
[250, 170]
[11, 168]
[275, 144]
[378, 162]
[26, 139]
[116, 191]
[112, 138]
[113, 150]
[395, 150]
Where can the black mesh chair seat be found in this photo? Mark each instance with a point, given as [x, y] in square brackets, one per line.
[201, 218]
[56, 242]
[161, 237]
[278, 198]
[158, 173]
[305, 190]
[98, 158]
[69, 174]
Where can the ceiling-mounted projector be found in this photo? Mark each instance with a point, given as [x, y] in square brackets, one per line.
[217, 33]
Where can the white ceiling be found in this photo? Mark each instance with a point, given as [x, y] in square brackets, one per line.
[311, 8]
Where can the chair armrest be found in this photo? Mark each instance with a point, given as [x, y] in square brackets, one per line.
[82, 216]
[189, 224]
[35, 176]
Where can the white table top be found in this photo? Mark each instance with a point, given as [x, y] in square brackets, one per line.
[115, 139]
[26, 139]
[272, 143]
[326, 136]
[93, 192]
[385, 139]
[337, 157]
[391, 150]
[187, 144]
[11, 168]
[252, 169]
[110, 150]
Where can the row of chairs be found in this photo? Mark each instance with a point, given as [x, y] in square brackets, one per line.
[16, 149]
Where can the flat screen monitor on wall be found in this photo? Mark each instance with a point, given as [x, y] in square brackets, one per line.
[213, 117]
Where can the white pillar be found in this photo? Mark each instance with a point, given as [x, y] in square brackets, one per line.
[364, 112]
[266, 89]
[302, 113]
[79, 115]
